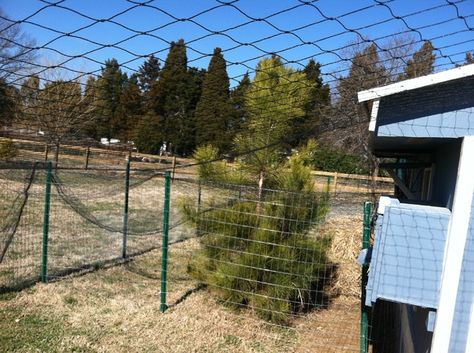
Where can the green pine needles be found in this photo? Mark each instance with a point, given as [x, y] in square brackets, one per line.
[262, 250]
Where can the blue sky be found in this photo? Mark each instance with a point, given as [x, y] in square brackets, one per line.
[310, 32]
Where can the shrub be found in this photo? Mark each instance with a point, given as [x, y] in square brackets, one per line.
[213, 169]
[334, 160]
[259, 253]
[7, 149]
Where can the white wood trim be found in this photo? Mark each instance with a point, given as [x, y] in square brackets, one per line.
[454, 251]
[373, 115]
[423, 81]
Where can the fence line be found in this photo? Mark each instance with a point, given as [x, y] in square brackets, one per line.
[280, 262]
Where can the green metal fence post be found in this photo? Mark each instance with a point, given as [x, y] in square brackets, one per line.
[328, 185]
[164, 256]
[47, 206]
[364, 316]
[125, 210]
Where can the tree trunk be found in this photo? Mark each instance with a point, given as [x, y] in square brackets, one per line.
[56, 155]
[261, 179]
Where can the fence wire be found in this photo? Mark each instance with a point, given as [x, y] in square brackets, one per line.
[280, 263]
[283, 262]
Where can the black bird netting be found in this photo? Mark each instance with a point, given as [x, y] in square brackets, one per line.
[103, 104]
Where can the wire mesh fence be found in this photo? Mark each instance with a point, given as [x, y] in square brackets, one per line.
[282, 262]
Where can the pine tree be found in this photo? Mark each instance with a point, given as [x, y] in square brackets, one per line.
[147, 135]
[148, 73]
[346, 127]
[90, 103]
[109, 90]
[187, 140]
[422, 62]
[8, 101]
[237, 101]
[130, 108]
[277, 96]
[148, 76]
[173, 103]
[316, 107]
[213, 111]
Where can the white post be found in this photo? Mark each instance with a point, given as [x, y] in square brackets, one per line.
[454, 250]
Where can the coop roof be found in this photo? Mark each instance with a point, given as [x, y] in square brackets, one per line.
[416, 83]
[423, 112]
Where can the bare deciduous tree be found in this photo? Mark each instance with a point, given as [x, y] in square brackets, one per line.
[17, 49]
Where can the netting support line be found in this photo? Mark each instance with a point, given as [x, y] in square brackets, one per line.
[164, 256]
[364, 315]
[199, 206]
[47, 206]
[125, 210]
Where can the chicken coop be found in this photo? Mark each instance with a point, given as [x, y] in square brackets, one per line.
[422, 260]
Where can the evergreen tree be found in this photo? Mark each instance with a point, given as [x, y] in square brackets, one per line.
[147, 135]
[130, 108]
[174, 102]
[8, 101]
[90, 103]
[148, 73]
[346, 127]
[277, 96]
[194, 89]
[422, 62]
[316, 107]
[213, 111]
[252, 251]
[109, 90]
[148, 76]
[237, 101]
[365, 72]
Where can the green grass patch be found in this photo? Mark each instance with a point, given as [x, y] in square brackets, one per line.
[29, 332]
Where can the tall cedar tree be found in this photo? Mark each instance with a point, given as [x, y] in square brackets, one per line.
[109, 87]
[130, 108]
[169, 99]
[237, 101]
[148, 76]
[90, 102]
[348, 115]
[169, 104]
[174, 102]
[148, 73]
[422, 62]
[214, 112]
[276, 98]
[317, 106]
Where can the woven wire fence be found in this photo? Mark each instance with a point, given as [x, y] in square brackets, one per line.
[282, 262]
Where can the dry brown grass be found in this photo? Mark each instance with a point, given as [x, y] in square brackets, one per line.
[117, 309]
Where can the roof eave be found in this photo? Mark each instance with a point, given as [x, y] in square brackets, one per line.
[414, 83]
